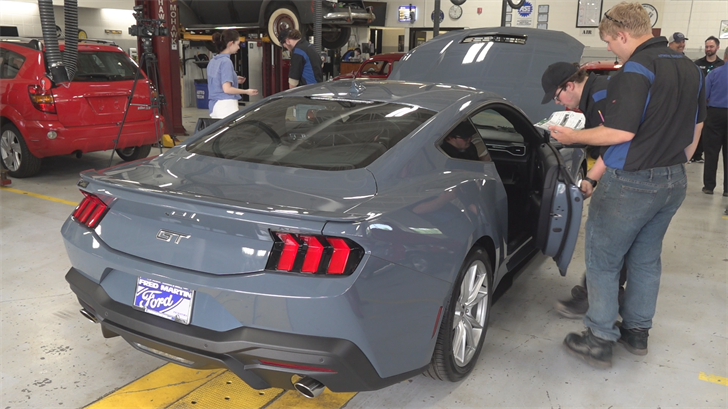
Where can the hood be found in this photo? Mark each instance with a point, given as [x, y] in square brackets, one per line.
[508, 61]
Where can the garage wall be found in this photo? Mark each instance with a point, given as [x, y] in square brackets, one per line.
[697, 19]
[26, 17]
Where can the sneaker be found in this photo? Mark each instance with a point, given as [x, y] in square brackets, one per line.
[707, 191]
[635, 340]
[595, 351]
[701, 160]
[576, 307]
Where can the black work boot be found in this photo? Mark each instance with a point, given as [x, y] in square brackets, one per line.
[595, 351]
[576, 307]
[635, 340]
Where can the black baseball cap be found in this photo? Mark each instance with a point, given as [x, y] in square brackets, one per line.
[554, 76]
[283, 35]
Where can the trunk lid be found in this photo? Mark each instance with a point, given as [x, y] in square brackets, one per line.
[214, 215]
[100, 89]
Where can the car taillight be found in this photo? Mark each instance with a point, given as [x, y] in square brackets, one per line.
[313, 254]
[90, 211]
[42, 99]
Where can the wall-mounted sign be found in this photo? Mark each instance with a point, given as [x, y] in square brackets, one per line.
[588, 13]
[724, 29]
[442, 16]
[652, 12]
[525, 15]
[407, 14]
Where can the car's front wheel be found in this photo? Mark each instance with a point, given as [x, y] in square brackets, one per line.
[16, 156]
[134, 152]
[465, 322]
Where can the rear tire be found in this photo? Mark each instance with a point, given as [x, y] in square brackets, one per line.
[134, 152]
[282, 18]
[463, 327]
[16, 156]
[336, 38]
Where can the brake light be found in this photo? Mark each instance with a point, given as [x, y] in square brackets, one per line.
[313, 254]
[42, 99]
[90, 211]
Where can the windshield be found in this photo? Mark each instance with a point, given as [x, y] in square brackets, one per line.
[310, 133]
[104, 66]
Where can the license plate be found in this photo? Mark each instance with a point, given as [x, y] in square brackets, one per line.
[165, 300]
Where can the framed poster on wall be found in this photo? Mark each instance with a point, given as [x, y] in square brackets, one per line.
[724, 29]
[588, 13]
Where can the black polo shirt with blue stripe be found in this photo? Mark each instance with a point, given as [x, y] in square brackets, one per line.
[305, 64]
[594, 99]
[658, 95]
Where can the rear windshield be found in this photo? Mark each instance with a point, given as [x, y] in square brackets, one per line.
[99, 66]
[309, 133]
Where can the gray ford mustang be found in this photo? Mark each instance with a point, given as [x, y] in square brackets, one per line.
[348, 234]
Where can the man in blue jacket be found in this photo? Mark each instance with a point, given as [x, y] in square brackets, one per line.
[305, 61]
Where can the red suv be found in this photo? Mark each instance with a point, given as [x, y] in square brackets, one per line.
[40, 118]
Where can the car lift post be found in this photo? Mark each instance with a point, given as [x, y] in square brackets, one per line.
[166, 49]
[4, 181]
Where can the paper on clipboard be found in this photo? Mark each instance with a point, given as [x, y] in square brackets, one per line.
[569, 119]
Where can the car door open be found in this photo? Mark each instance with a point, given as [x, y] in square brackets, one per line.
[560, 212]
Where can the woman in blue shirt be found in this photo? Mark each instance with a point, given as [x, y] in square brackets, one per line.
[221, 76]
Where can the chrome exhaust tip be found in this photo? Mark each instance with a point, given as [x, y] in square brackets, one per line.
[89, 316]
[309, 387]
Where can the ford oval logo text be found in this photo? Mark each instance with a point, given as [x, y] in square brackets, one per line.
[170, 236]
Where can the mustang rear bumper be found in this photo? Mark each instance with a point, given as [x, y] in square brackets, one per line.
[239, 350]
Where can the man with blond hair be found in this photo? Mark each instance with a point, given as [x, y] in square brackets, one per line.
[652, 122]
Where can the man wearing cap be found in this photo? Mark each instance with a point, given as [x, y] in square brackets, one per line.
[305, 61]
[677, 42]
[574, 88]
[654, 114]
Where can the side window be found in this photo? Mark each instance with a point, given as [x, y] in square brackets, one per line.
[464, 142]
[10, 63]
[499, 134]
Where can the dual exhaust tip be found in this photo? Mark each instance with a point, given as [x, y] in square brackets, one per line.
[306, 386]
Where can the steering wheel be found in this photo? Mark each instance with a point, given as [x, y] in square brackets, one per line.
[267, 129]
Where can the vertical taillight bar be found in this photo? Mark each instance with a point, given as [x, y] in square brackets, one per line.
[339, 257]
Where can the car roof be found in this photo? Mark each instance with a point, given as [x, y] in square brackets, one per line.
[506, 60]
[435, 97]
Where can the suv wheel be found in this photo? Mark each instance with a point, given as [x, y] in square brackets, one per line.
[134, 152]
[16, 157]
[465, 322]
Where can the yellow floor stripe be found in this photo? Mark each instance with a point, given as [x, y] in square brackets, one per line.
[713, 378]
[44, 197]
[158, 389]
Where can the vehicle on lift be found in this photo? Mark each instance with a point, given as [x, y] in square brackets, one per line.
[376, 67]
[41, 119]
[328, 235]
[275, 16]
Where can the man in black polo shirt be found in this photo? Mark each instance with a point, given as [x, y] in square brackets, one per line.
[574, 88]
[707, 64]
[654, 115]
[305, 61]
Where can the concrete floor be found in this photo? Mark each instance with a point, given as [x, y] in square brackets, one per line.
[53, 357]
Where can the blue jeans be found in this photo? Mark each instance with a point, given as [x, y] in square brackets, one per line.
[628, 217]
